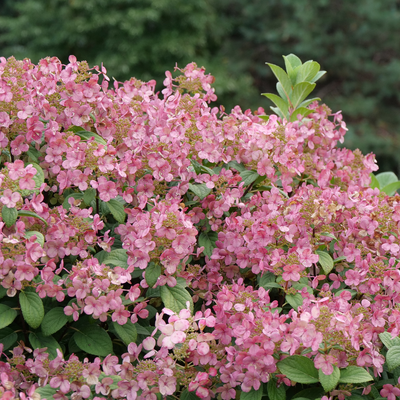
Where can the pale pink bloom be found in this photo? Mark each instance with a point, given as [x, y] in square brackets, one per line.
[203, 348]
[351, 252]
[307, 258]
[390, 392]
[34, 251]
[167, 385]
[149, 343]
[16, 170]
[68, 310]
[27, 183]
[10, 199]
[25, 272]
[62, 382]
[325, 363]
[5, 119]
[291, 273]
[227, 392]
[353, 278]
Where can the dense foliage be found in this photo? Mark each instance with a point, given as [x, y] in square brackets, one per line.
[155, 247]
[357, 39]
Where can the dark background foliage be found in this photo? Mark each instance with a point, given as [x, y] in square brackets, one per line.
[356, 41]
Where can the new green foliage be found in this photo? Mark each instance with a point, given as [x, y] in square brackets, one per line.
[294, 86]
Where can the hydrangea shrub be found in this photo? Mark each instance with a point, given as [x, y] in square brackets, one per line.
[154, 246]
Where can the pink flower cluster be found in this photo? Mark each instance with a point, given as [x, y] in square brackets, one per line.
[119, 194]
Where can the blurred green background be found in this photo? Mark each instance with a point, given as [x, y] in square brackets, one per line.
[357, 42]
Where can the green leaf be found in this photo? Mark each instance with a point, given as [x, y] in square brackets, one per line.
[274, 392]
[235, 165]
[328, 234]
[302, 111]
[118, 258]
[388, 341]
[153, 271]
[375, 393]
[300, 92]
[300, 286]
[9, 215]
[76, 196]
[53, 321]
[307, 71]
[266, 278]
[292, 63]
[352, 292]
[39, 236]
[141, 330]
[207, 170]
[7, 337]
[175, 298]
[104, 210]
[86, 135]
[117, 210]
[278, 112]
[303, 398]
[279, 102]
[93, 340]
[353, 374]
[270, 285]
[153, 292]
[306, 103]
[196, 166]
[46, 392]
[34, 154]
[32, 308]
[310, 393]
[208, 239]
[75, 128]
[281, 92]
[253, 394]
[292, 60]
[7, 315]
[326, 261]
[299, 369]
[283, 79]
[39, 176]
[39, 341]
[393, 357]
[127, 332]
[356, 396]
[329, 382]
[249, 177]
[186, 395]
[201, 190]
[385, 178]
[396, 374]
[89, 195]
[374, 182]
[317, 76]
[295, 300]
[26, 213]
[391, 189]
[102, 255]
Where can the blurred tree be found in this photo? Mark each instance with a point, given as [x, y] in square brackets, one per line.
[140, 38]
[355, 41]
